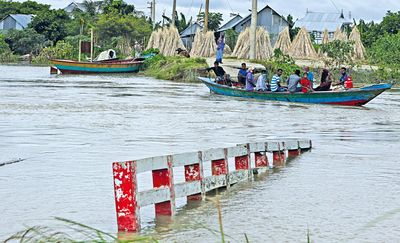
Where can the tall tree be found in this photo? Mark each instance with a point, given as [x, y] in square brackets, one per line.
[292, 31]
[214, 20]
[51, 24]
[180, 23]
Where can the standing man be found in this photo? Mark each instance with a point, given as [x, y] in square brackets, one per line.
[220, 48]
[276, 82]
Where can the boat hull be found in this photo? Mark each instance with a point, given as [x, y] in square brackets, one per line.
[73, 67]
[353, 97]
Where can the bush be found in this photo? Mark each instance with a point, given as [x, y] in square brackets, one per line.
[61, 50]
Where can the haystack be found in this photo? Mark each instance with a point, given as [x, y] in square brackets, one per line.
[359, 49]
[263, 45]
[325, 37]
[283, 43]
[302, 46]
[339, 35]
[204, 44]
[227, 50]
[167, 40]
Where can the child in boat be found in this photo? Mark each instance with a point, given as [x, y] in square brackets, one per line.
[306, 85]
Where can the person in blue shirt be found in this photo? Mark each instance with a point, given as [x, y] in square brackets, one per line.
[343, 77]
[242, 74]
[310, 75]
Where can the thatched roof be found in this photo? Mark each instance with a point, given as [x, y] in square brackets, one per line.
[263, 45]
[283, 43]
[302, 46]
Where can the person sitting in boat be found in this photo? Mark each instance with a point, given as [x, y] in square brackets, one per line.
[306, 85]
[293, 81]
[310, 75]
[276, 82]
[250, 82]
[326, 81]
[261, 81]
[222, 77]
[342, 79]
[242, 74]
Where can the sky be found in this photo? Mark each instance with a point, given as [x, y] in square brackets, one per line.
[360, 9]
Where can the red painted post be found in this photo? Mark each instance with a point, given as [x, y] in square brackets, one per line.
[164, 178]
[125, 189]
[242, 162]
[261, 159]
[219, 167]
[192, 173]
[278, 158]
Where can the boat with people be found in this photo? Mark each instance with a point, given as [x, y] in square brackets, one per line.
[349, 97]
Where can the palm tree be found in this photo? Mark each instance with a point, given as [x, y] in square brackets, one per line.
[180, 23]
[91, 7]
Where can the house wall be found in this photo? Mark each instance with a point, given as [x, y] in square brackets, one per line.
[9, 23]
[272, 22]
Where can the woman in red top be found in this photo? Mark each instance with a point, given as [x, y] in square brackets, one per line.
[305, 84]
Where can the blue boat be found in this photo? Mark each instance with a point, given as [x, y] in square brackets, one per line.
[351, 97]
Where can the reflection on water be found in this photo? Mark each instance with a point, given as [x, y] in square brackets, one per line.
[71, 128]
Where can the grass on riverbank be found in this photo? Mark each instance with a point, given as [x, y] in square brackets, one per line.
[175, 68]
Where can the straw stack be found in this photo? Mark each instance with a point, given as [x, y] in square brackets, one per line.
[167, 40]
[339, 35]
[359, 49]
[227, 49]
[283, 43]
[325, 38]
[263, 45]
[301, 46]
[204, 44]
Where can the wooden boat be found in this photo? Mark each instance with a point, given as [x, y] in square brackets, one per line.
[351, 97]
[112, 66]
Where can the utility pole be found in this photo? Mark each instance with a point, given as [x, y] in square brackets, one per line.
[153, 12]
[206, 16]
[253, 28]
[173, 13]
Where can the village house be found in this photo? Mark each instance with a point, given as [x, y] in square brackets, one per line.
[187, 35]
[316, 23]
[15, 22]
[267, 18]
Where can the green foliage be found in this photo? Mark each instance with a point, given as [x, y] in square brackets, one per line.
[371, 32]
[338, 52]
[386, 50]
[214, 20]
[151, 51]
[231, 37]
[117, 7]
[175, 68]
[51, 24]
[128, 26]
[26, 7]
[26, 41]
[6, 56]
[292, 31]
[62, 50]
[180, 23]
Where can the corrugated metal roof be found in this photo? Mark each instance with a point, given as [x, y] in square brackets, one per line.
[191, 29]
[248, 17]
[315, 21]
[22, 19]
[231, 23]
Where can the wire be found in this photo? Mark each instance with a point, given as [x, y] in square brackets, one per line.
[230, 6]
[335, 5]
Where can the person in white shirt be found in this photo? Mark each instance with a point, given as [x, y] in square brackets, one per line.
[261, 81]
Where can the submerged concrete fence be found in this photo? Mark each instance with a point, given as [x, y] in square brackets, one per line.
[128, 199]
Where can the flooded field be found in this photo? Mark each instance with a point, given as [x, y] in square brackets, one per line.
[71, 128]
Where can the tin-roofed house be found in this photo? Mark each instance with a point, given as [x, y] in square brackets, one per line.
[267, 18]
[317, 22]
[187, 35]
[15, 22]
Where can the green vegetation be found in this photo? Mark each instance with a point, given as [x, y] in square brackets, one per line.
[280, 60]
[82, 233]
[338, 52]
[214, 20]
[175, 68]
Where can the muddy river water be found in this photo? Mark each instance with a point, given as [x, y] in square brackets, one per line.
[69, 129]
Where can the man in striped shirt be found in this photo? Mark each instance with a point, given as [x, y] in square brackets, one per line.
[275, 82]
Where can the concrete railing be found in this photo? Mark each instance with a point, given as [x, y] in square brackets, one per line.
[128, 199]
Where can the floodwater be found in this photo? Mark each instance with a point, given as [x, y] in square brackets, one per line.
[71, 128]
